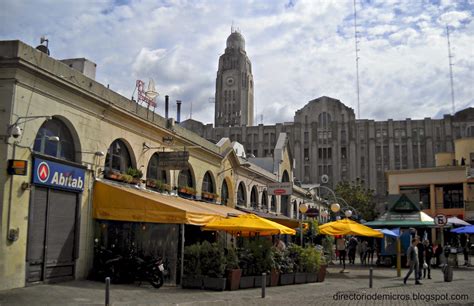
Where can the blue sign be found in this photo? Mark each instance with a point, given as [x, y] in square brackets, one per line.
[49, 173]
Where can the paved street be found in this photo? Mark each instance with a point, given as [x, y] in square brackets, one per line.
[386, 285]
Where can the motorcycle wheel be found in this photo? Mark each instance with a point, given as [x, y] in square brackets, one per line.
[156, 280]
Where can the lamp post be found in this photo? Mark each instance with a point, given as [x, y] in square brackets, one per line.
[303, 208]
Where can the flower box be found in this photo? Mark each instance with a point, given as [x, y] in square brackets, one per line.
[322, 273]
[247, 282]
[233, 279]
[274, 277]
[311, 277]
[287, 279]
[214, 283]
[300, 277]
[192, 282]
[258, 281]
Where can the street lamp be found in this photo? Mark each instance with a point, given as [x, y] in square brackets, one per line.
[303, 208]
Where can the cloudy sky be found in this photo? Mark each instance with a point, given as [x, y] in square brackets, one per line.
[300, 50]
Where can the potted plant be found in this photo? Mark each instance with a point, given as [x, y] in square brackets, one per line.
[322, 268]
[295, 252]
[127, 178]
[192, 277]
[247, 279]
[275, 269]
[286, 265]
[213, 266]
[310, 261]
[112, 174]
[136, 175]
[233, 271]
[263, 260]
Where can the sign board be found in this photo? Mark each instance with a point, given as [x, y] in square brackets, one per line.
[285, 188]
[440, 220]
[312, 212]
[173, 160]
[17, 167]
[53, 174]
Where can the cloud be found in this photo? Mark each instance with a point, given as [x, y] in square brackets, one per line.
[300, 50]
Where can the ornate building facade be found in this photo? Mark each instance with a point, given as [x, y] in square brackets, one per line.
[330, 145]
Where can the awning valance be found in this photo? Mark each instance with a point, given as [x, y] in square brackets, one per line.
[113, 201]
[280, 219]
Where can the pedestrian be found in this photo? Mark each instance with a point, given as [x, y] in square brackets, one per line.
[421, 256]
[279, 244]
[341, 248]
[438, 252]
[427, 258]
[363, 252]
[352, 249]
[370, 252]
[465, 250]
[412, 261]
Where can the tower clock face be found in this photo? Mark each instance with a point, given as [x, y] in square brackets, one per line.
[230, 81]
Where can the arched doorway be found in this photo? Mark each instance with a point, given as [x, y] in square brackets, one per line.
[54, 211]
[224, 193]
[265, 200]
[241, 195]
[285, 200]
[254, 197]
[273, 205]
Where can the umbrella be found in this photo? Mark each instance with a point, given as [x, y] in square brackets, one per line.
[248, 224]
[457, 221]
[464, 230]
[391, 233]
[348, 227]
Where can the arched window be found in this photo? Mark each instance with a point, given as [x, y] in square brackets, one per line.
[64, 148]
[224, 193]
[285, 200]
[470, 131]
[254, 197]
[154, 172]
[118, 157]
[241, 195]
[324, 121]
[295, 209]
[185, 178]
[207, 183]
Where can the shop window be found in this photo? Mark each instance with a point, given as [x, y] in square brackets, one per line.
[45, 144]
[453, 196]
[154, 172]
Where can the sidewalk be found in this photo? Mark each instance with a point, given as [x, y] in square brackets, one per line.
[336, 290]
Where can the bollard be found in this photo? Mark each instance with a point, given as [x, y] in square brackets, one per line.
[371, 272]
[107, 291]
[264, 284]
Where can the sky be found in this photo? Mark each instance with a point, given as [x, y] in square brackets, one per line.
[300, 50]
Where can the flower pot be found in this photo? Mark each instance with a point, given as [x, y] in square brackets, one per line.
[192, 282]
[214, 283]
[274, 277]
[287, 279]
[322, 273]
[247, 282]
[233, 279]
[300, 277]
[311, 277]
[258, 281]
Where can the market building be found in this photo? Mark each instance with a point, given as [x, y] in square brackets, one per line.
[80, 158]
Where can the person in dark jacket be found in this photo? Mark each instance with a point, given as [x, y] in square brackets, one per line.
[412, 261]
[428, 254]
[421, 250]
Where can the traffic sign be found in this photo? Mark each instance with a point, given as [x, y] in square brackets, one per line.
[440, 220]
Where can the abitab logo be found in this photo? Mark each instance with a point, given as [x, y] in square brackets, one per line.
[43, 172]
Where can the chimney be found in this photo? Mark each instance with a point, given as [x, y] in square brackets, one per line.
[167, 101]
[178, 111]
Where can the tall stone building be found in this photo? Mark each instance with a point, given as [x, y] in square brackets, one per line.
[330, 145]
[234, 85]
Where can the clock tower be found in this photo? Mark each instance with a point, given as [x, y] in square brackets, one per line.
[234, 85]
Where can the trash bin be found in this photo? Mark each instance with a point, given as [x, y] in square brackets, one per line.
[448, 273]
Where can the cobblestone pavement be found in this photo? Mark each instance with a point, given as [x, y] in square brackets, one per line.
[351, 288]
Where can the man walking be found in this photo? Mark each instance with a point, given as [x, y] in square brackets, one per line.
[412, 261]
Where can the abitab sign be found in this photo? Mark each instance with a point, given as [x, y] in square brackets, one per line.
[53, 174]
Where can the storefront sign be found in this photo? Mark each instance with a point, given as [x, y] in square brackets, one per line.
[173, 160]
[53, 174]
[17, 167]
[285, 188]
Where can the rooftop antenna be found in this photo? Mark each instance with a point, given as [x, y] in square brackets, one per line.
[450, 68]
[357, 58]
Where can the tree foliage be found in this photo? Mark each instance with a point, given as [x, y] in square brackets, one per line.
[360, 198]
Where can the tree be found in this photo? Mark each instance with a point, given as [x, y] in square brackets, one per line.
[358, 197]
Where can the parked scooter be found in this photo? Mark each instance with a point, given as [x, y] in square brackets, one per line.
[105, 262]
[136, 268]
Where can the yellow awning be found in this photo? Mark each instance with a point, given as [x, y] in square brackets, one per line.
[348, 227]
[112, 201]
[248, 224]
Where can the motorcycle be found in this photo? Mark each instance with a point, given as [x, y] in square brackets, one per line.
[134, 268]
[105, 262]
